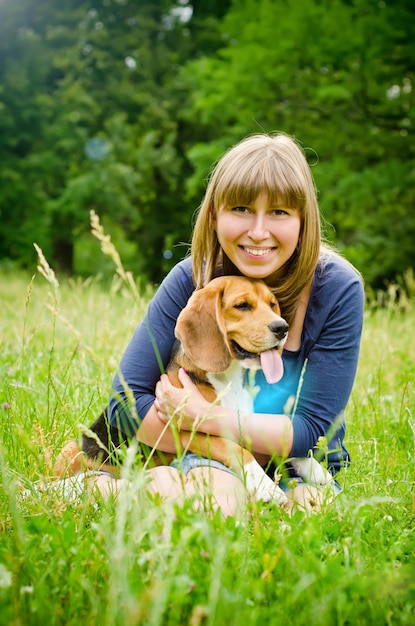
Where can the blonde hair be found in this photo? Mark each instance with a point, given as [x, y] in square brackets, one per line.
[274, 164]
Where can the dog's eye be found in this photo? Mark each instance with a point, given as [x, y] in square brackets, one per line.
[273, 305]
[243, 306]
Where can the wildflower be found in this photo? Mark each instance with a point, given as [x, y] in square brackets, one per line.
[5, 406]
[5, 577]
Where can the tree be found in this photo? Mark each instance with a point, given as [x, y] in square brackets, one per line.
[103, 130]
[123, 108]
[338, 75]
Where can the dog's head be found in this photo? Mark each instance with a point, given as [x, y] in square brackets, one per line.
[233, 318]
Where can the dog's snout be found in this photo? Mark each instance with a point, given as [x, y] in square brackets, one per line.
[279, 328]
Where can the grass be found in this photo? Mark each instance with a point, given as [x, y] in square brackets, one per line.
[144, 562]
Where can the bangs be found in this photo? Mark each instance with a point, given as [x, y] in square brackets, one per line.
[261, 164]
[251, 175]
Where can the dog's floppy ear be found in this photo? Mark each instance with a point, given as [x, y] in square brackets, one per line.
[200, 329]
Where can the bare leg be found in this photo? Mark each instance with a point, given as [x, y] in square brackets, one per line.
[221, 489]
[308, 498]
[107, 485]
[215, 488]
[167, 481]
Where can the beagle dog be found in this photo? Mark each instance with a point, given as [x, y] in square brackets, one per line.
[228, 327]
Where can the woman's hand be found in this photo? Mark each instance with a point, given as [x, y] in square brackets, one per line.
[188, 409]
[184, 405]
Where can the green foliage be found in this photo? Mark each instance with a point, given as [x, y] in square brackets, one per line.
[106, 137]
[339, 76]
[143, 561]
[123, 108]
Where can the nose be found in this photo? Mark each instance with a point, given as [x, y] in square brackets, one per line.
[258, 227]
[279, 328]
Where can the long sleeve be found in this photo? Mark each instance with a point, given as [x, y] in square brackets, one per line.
[318, 378]
[149, 350]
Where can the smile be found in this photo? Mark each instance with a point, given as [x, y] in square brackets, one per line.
[257, 251]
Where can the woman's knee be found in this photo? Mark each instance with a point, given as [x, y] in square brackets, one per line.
[219, 489]
[166, 481]
[309, 498]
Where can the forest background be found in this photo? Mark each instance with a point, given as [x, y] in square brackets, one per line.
[122, 107]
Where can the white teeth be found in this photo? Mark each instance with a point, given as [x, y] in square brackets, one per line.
[256, 251]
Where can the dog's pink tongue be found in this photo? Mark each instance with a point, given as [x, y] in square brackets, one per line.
[272, 366]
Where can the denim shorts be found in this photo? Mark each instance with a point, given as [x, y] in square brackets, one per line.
[190, 461]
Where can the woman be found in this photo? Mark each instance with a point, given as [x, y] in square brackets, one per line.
[260, 219]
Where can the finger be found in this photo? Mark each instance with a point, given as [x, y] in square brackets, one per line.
[160, 388]
[185, 378]
[162, 416]
[164, 379]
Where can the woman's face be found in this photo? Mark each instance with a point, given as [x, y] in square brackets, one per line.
[258, 238]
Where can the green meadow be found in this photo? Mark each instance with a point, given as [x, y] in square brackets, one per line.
[146, 562]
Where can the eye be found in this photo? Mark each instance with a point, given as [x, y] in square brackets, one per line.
[240, 209]
[243, 306]
[273, 305]
[279, 212]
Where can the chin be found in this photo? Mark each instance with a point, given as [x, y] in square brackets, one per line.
[257, 273]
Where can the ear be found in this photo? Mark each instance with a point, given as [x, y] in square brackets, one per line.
[200, 329]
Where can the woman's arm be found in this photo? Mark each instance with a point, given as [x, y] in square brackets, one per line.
[333, 336]
[149, 351]
[156, 433]
[329, 350]
[264, 434]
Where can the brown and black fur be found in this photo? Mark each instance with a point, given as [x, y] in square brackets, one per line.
[230, 318]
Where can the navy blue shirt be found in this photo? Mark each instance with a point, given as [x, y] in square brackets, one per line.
[318, 378]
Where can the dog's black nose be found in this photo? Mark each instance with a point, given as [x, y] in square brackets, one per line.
[280, 328]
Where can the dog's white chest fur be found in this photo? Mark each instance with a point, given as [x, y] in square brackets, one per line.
[229, 386]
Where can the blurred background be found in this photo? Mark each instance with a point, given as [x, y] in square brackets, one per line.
[122, 107]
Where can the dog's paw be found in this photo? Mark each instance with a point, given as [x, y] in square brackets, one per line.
[69, 460]
[311, 470]
[260, 486]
